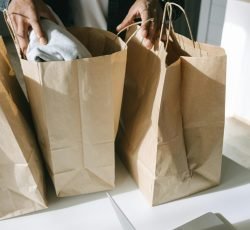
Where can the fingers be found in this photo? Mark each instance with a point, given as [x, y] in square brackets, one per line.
[153, 31]
[145, 9]
[137, 10]
[21, 29]
[25, 16]
[34, 21]
[128, 20]
[148, 42]
[145, 27]
[39, 32]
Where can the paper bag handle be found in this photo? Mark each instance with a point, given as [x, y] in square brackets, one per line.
[134, 24]
[168, 8]
[12, 33]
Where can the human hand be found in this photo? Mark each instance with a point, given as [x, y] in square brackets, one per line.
[25, 16]
[145, 9]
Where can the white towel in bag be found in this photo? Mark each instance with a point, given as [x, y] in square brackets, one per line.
[62, 45]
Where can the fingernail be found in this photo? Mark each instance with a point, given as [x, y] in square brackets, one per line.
[43, 41]
[118, 27]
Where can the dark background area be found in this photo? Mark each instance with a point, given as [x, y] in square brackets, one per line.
[192, 8]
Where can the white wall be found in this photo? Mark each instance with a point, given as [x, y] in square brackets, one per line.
[211, 21]
[227, 23]
[235, 39]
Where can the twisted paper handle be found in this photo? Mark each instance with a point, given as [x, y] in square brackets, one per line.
[12, 32]
[134, 24]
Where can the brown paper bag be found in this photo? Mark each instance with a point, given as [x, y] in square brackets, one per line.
[172, 118]
[76, 107]
[21, 177]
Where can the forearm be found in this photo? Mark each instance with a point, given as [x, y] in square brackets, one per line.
[4, 4]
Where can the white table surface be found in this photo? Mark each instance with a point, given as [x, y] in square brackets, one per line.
[231, 200]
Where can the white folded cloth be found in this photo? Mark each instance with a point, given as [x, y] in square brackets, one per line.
[62, 45]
